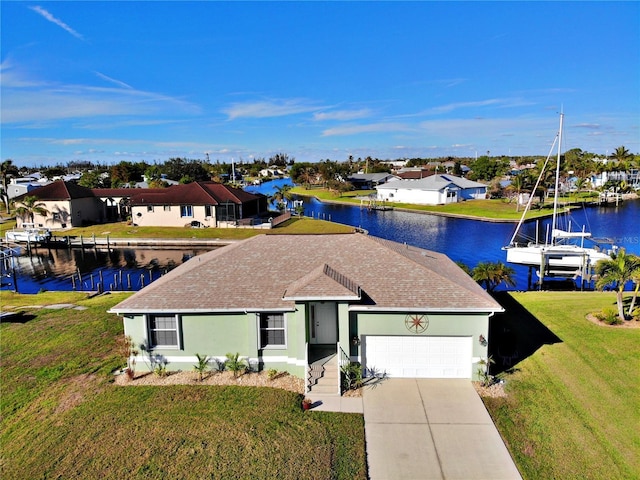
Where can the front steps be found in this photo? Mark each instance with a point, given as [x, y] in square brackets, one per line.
[324, 377]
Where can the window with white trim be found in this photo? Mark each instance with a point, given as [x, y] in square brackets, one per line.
[163, 331]
[272, 330]
[186, 211]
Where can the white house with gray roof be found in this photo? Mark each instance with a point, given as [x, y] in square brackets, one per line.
[433, 190]
[393, 308]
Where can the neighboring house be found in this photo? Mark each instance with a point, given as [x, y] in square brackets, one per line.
[283, 300]
[116, 202]
[20, 186]
[203, 204]
[432, 190]
[368, 181]
[69, 205]
[414, 173]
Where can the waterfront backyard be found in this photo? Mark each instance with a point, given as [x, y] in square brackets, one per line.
[569, 411]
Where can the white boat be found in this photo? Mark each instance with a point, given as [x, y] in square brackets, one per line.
[29, 233]
[565, 253]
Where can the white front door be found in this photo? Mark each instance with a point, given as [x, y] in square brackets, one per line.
[323, 323]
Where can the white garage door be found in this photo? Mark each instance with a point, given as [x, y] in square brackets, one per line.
[419, 357]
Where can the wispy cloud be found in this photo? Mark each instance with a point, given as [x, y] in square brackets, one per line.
[269, 108]
[29, 102]
[113, 80]
[342, 115]
[368, 128]
[48, 16]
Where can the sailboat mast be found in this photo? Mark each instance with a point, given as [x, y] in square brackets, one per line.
[557, 186]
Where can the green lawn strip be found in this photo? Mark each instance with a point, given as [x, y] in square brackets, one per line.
[492, 209]
[569, 413]
[63, 418]
[296, 225]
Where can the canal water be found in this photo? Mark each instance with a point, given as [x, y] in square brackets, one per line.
[467, 241]
[472, 241]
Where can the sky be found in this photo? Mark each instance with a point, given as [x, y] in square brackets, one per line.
[113, 81]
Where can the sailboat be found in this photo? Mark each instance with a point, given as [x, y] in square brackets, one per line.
[565, 253]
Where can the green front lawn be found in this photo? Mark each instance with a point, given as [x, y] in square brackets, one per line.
[493, 209]
[297, 225]
[572, 407]
[62, 417]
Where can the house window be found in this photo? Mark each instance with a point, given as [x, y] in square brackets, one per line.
[207, 210]
[149, 208]
[272, 330]
[167, 208]
[163, 331]
[186, 211]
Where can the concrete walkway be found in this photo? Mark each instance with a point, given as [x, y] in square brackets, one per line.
[432, 429]
[336, 403]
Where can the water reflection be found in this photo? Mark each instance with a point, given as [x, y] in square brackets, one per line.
[90, 269]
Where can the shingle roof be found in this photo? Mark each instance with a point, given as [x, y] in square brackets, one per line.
[434, 182]
[266, 272]
[59, 190]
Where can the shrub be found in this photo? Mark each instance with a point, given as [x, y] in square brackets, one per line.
[608, 316]
[272, 373]
[161, 369]
[235, 364]
[202, 365]
[351, 374]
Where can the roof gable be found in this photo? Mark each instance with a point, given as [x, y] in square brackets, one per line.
[195, 193]
[323, 283]
[59, 190]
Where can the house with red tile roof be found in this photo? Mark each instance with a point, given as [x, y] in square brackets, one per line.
[202, 204]
[310, 304]
[68, 205]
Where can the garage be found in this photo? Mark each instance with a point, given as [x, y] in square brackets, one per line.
[418, 356]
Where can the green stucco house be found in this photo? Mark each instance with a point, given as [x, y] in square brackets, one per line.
[307, 304]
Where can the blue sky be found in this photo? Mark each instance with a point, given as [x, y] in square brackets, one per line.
[112, 81]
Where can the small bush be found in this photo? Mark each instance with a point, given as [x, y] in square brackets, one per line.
[161, 370]
[608, 316]
[272, 373]
[235, 364]
[351, 374]
[202, 366]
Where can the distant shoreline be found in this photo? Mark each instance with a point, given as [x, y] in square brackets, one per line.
[625, 197]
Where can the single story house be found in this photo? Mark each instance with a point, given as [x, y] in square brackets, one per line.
[116, 202]
[20, 186]
[203, 204]
[68, 205]
[433, 190]
[281, 301]
[367, 181]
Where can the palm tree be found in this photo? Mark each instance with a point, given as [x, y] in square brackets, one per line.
[30, 206]
[636, 280]
[492, 274]
[7, 169]
[621, 154]
[283, 195]
[617, 271]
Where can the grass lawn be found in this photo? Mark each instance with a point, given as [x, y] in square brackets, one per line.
[62, 416]
[572, 406]
[493, 209]
[294, 226]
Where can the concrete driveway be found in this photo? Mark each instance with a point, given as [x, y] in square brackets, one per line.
[432, 429]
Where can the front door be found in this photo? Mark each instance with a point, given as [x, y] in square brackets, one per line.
[323, 323]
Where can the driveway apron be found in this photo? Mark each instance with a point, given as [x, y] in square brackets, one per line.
[432, 429]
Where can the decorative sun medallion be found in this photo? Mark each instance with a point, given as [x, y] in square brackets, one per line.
[416, 323]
